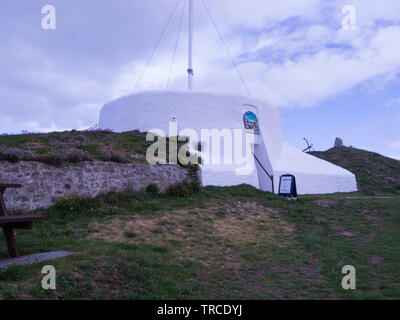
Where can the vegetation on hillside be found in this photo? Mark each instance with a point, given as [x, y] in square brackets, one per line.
[213, 243]
[74, 146]
[222, 243]
[375, 173]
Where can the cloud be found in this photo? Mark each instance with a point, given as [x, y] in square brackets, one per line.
[308, 71]
[318, 76]
[291, 53]
[295, 61]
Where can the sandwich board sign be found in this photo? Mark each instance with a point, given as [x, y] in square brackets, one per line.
[287, 186]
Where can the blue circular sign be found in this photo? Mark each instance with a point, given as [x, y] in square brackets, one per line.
[251, 122]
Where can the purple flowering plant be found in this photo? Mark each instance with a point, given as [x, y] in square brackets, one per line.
[73, 146]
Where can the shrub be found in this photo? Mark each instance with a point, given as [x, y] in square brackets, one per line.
[71, 204]
[195, 186]
[111, 198]
[130, 235]
[13, 154]
[153, 189]
[109, 154]
[75, 157]
[10, 157]
[51, 159]
[179, 190]
[118, 157]
[68, 203]
[184, 189]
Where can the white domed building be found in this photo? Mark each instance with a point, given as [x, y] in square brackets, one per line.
[249, 128]
[272, 157]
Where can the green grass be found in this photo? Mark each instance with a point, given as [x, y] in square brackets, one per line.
[375, 173]
[221, 243]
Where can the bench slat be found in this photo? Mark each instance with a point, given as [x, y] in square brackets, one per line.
[10, 185]
[13, 219]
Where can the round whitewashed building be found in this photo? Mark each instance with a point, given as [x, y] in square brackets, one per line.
[241, 139]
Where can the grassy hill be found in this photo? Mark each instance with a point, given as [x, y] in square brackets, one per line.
[217, 243]
[221, 243]
[375, 173]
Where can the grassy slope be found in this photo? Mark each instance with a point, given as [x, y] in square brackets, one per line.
[90, 143]
[220, 243]
[375, 173]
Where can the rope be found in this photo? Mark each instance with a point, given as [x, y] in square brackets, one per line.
[226, 47]
[269, 176]
[157, 44]
[262, 167]
[176, 44]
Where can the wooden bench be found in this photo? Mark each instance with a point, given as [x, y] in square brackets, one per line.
[8, 223]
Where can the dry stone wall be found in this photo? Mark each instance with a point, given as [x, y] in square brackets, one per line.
[44, 184]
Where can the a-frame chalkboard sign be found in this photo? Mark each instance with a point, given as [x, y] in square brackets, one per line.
[287, 186]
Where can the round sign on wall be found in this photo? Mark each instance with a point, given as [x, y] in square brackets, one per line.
[251, 122]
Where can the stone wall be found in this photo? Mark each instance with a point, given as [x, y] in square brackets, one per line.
[43, 184]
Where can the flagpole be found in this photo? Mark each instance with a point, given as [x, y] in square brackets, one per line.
[190, 60]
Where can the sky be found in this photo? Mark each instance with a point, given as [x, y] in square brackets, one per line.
[327, 79]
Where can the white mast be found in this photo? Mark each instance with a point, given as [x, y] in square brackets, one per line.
[190, 67]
